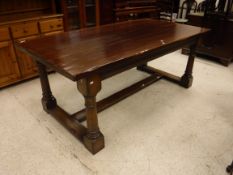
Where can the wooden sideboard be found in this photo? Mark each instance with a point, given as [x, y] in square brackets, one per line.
[130, 9]
[16, 66]
[86, 13]
[217, 44]
[22, 21]
[135, 9]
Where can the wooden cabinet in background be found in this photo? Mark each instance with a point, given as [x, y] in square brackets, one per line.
[15, 65]
[135, 9]
[51, 25]
[9, 71]
[218, 43]
[80, 13]
[86, 13]
[22, 21]
[26, 64]
[4, 33]
[23, 29]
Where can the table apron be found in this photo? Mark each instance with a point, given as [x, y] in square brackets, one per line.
[123, 65]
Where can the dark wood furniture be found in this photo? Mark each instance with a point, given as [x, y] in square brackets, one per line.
[136, 9]
[166, 9]
[80, 13]
[218, 44]
[131, 9]
[89, 56]
[106, 11]
[229, 169]
[129, 13]
[86, 13]
[22, 21]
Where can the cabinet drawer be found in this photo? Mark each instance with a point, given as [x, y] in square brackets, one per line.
[4, 34]
[53, 33]
[51, 25]
[24, 29]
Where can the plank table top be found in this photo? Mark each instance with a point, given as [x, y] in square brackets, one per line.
[78, 53]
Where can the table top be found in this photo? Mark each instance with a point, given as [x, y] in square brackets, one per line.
[78, 53]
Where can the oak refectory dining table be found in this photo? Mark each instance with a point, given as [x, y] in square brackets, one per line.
[88, 56]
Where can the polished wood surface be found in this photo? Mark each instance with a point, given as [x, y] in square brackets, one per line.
[89, 56]
[77, 53]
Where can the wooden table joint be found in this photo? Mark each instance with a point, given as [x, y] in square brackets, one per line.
[118, 96]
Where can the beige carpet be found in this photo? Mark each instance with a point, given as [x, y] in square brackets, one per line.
[163, 129]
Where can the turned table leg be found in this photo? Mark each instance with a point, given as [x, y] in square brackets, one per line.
[187, 79]
[89, 87]
[48, 100]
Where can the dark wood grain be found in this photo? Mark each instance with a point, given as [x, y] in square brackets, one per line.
[75, 54]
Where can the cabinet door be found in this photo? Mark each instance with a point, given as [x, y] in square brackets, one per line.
[4, 33]
[26, 63]
[9, 71]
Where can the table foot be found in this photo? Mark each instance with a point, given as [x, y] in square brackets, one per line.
[225, 62]
[94, 144]
[48, 103]
[186, 81]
